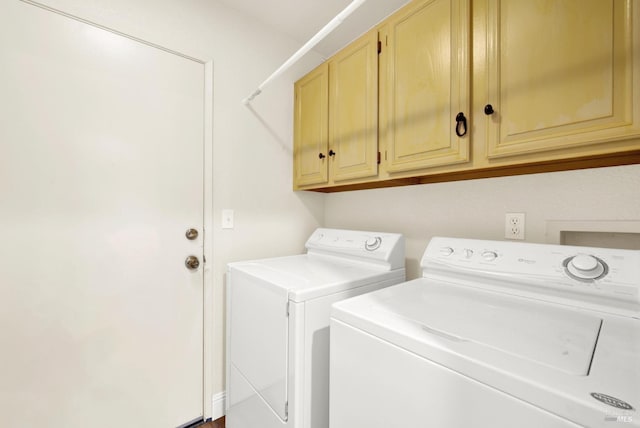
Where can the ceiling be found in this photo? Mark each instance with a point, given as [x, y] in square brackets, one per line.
[302, 19]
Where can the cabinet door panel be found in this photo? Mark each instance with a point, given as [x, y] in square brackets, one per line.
[427, 84]
[353, 117]
[310, 128]
[560, 74]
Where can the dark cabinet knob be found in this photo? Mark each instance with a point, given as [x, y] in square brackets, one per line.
[488, 109]
[321, 156]
[332, 153]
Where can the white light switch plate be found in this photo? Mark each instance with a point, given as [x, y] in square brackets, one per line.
[227, 219]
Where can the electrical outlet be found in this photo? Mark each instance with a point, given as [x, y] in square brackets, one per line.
[514, 226]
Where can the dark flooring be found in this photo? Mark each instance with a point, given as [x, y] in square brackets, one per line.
[218, 423]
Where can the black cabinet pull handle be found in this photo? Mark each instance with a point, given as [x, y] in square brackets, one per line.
[321, 156]
[488, 110]
[461, 121]
[332, 153]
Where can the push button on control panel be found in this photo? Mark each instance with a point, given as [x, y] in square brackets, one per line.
[489, 255]
[446, 251]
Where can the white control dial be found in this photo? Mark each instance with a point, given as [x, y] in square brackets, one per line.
[489, 255]
[584, 266]
[373, 244]
[446, 251]
[468, 253]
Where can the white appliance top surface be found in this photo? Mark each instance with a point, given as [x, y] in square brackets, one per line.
[548, 354]
[309, 276]
[520, 328]
[336, 260]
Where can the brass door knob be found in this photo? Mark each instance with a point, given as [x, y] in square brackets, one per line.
[191, 234]
[192, 262]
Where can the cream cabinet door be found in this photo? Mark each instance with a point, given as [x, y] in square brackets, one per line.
[353, 110]
[310, 147]
[560, 74]
[426, 84]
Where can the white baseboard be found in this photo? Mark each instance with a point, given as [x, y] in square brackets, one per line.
[218, 405]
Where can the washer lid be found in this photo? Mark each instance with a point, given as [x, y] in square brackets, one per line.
[536, 351]
[486, 323]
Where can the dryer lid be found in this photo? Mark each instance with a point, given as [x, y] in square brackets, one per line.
[310, 276]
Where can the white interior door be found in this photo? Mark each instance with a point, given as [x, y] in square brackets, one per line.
[101, 173]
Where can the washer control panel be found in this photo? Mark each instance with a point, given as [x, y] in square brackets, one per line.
[538, 268]
[377, 247]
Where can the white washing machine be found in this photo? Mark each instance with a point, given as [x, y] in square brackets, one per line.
[494, 335]
[278, 324]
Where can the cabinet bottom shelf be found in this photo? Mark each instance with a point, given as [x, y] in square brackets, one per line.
[599, 161]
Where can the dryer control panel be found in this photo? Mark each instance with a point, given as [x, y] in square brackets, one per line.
[383, 249]
[604, 277]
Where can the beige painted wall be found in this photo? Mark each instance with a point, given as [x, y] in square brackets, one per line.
[252, 156]
[476, 208]
[252, 149]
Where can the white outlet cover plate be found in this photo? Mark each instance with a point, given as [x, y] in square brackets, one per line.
[514, 225]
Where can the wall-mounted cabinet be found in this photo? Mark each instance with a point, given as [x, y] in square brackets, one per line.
[425, 85]
[311, 144]
[353, 110]
[336, 118]
[536, 86]
[560, 74]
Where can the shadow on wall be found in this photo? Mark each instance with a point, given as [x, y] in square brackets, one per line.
[312, 201]
[278, 138]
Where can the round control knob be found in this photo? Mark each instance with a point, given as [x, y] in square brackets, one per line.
[489, 255]
[446, 251]
[373, 244]
[468, 253]
[584, 266]
[584, 262]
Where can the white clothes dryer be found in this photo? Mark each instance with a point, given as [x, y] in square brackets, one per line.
[495, 334]
[278, 324]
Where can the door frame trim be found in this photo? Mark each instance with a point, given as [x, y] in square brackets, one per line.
[208, 298]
